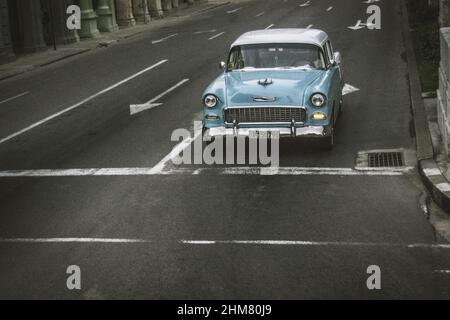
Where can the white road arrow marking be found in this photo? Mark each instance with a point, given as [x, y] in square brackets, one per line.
[349, 89]
[136, 108]
[164, 39]
[358, 25]
[306, 4]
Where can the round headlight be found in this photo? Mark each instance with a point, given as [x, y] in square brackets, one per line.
[318, 100]
[210, 101]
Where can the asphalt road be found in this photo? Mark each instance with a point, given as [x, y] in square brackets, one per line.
[199, 235]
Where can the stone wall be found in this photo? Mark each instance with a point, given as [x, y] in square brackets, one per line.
[444, 88]
[6, 51]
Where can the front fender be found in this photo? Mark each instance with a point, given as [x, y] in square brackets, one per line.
[328, 85]
[217, 88]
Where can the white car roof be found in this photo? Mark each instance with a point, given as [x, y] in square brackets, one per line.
[308, 36]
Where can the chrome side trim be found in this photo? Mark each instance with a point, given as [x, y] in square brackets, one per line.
[264, 99]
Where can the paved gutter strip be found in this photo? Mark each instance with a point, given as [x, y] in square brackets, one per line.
[423, 137]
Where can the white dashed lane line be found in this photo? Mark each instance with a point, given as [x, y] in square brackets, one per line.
[164, 39]
[233, 11]
[205, 31]
[306, 4]
[268, 27]
[70, 240]
[236, 242]
[216, 36]
[260, 14]
[442, 271]
[14, 97]
[317, 243]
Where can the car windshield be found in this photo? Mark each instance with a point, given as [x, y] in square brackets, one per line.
[269, 56]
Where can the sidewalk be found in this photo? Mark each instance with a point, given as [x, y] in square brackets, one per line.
[29, 62]
[436, 171]
[432, 166]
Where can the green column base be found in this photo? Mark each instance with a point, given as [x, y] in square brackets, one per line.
[166, 5]
[155, 9]
[89, 25]
[105, 20]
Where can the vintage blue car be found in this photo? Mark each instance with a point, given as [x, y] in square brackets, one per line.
[283, 80]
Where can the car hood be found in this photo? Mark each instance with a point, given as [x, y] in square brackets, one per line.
[287, 87]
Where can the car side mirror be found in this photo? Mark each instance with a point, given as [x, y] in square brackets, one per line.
[337, 59]
[223, 65]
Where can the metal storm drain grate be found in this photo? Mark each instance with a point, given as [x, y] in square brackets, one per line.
[385, 159]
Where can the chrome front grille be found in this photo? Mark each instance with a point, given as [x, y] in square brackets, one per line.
[265, 115]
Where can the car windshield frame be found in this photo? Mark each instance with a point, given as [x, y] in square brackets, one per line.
[279, 47]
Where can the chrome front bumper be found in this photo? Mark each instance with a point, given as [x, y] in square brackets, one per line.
[308, 131]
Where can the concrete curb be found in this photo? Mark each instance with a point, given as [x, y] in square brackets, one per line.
[431, 175]
[436, 183]
[69, 55]
[15, 72]
[17, 69]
